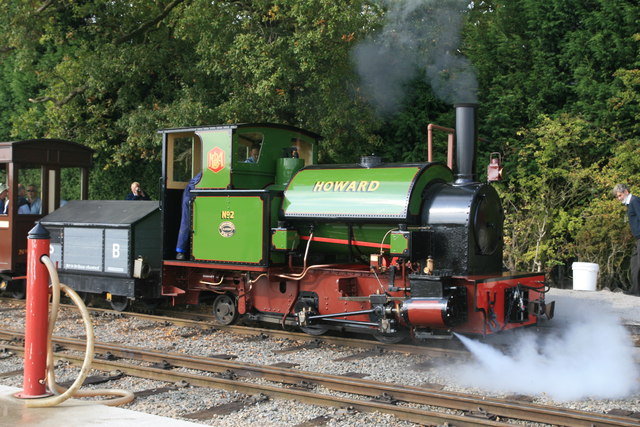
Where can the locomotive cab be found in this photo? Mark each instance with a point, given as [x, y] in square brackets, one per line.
[235, 204]
[239, 157]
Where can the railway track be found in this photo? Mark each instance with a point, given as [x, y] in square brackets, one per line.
[416, 404]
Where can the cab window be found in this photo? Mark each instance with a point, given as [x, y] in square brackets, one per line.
[304, 149]
[183, 158]
[70, 185]
[249, 147]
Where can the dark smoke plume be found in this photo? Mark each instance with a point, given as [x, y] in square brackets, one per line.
[419, 36]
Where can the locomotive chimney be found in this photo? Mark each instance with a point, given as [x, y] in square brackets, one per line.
[466, 137]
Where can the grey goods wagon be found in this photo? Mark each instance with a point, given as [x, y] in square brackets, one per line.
[108, 248]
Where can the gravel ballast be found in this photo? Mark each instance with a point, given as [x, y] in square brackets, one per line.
[588, 362]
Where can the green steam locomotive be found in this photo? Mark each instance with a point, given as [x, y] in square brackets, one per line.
[387, 249]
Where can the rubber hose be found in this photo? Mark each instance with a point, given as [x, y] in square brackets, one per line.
[62, 394]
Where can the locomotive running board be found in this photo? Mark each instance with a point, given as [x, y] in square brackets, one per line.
[200, 264]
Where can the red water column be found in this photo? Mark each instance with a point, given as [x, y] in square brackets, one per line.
[37, 315]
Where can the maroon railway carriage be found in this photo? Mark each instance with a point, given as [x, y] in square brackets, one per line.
[58, 170]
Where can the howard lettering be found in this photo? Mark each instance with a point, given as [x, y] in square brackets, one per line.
[346, 186]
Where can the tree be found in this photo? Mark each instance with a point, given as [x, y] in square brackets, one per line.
[546, 58]
[557, 79]
[552, 181]
[286, 62]
[606, 233]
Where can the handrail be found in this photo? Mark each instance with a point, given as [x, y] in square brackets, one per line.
[450, 143]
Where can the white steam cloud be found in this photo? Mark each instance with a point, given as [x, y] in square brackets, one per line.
[592, 357]
[419, 36]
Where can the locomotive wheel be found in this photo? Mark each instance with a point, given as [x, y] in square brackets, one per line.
[85, 297]
[399, 336]
[18, 294]
[225, 310]
[16, 289]
[119, 303]
[315, 329]
[19, 290]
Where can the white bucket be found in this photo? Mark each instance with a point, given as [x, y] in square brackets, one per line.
[585, 276]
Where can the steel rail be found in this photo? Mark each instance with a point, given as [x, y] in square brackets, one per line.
[207, 321]
[417, 395]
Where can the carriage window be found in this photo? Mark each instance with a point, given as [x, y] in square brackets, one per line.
[183, 158]
[30, 190]
[70, 187]
[249, 146]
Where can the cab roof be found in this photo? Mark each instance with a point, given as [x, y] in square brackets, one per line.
[241, 126]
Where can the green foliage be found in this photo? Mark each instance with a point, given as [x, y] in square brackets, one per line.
[15, 89]
[405, 133]
[552, 180]
[549, 57]
[562, 74]
[604, 238]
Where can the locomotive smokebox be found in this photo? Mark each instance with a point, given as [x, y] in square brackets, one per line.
[466, 137]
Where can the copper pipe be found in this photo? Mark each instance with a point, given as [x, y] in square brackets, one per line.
[450, 146]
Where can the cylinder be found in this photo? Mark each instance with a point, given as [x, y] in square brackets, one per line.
[37, 315]
[426, 312]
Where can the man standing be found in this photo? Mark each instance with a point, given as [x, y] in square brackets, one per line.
[136, 193]
[34, 203]
[182, 246]
[622, 193]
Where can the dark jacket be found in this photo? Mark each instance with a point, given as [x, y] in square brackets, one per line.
[182, 245]
[633, 212]
[132, 196]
